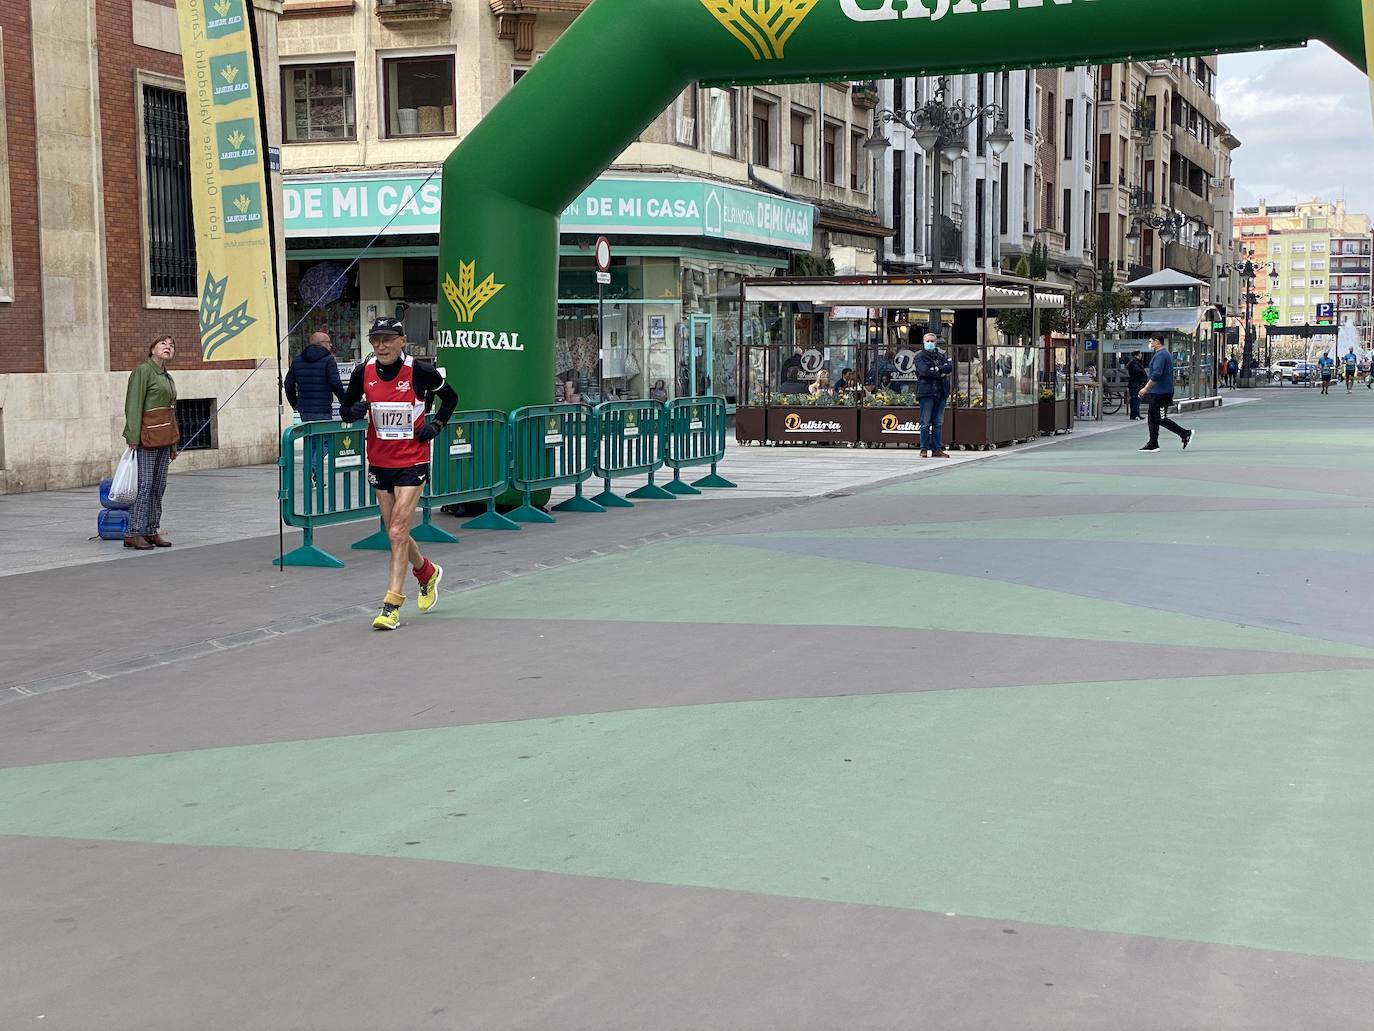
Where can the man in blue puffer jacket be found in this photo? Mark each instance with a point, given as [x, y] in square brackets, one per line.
[313, 381]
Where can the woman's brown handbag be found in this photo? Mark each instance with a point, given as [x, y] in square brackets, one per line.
[159, 428]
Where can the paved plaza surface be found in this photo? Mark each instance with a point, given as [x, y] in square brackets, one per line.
[1066, 737]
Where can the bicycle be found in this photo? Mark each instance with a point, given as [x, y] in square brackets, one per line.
[1112, 400]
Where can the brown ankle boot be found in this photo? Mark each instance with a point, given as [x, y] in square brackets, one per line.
[137, 542]
[158, 541]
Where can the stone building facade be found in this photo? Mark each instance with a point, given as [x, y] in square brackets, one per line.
[84, 202]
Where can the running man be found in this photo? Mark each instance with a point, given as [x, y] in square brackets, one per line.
[1351, 362]
[1326, 365]
[1159, 391]
[392, 391]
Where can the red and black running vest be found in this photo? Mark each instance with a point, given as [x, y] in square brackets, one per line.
[394, 454]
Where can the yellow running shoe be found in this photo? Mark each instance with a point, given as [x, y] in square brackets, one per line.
[429, 592]
[389, 618]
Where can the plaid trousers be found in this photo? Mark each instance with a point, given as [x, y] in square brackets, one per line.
[145, 514]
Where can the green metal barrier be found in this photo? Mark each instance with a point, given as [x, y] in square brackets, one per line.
[470, 463]
[629, 443]
[694, 434]
[551, 446]
[329, 485]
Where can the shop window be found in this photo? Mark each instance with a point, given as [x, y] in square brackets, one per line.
[171, 242]
[318, 103]
[419, 96]
[723, 136]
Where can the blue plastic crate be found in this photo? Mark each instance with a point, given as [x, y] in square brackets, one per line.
[112, 523]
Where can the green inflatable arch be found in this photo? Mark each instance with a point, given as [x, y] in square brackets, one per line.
[622, 62]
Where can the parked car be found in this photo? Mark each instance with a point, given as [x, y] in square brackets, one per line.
[1292, 370]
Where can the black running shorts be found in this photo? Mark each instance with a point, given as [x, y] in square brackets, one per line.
[387, 480]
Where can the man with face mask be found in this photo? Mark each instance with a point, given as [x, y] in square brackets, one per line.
[932, 391]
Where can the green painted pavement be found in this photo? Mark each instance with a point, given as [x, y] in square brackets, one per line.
[1008, 480]
[1225, 809]
[1339, 530]
[717, 581]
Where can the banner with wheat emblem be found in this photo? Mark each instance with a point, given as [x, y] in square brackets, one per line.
[228, 181]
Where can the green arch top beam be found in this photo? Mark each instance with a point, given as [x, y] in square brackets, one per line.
[622, 62]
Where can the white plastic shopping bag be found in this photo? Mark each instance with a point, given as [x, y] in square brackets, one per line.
[124, 484]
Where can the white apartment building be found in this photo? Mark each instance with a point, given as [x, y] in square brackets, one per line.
[376, 94]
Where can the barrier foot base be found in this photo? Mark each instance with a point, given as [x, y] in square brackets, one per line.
[378, 541]
[491, 520]
[431, 534]
[609, 499]
[714, 480]
[578, 503]
[308, 555]
[530, 514]
[652, 492]
[680, 487]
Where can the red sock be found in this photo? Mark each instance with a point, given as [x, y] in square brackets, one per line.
[423, 574]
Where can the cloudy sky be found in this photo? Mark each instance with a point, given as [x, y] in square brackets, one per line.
[1302, 117]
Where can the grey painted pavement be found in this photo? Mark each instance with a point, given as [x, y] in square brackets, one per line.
[207, 647]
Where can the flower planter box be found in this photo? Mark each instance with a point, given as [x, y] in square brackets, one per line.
[970, 428]
[750, 425]
[806, 425]
[1054, 416]
[883, 426]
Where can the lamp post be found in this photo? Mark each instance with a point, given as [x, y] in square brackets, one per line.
[1248, 270]
[940, 129]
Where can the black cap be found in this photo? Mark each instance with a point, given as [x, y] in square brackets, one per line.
[386, 326]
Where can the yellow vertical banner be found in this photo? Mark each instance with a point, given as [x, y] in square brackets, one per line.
[228, 181]
[1367, 8]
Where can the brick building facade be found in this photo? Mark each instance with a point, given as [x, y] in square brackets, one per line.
[86, 196]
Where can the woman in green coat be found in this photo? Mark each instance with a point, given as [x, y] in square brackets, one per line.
[150, 427]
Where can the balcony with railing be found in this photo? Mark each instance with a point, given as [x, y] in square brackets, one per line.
[865, 93]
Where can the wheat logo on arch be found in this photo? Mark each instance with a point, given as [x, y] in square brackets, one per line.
[763, 26]
[467, 295]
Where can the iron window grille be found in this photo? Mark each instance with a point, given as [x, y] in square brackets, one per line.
[167, 163]
[196, 419]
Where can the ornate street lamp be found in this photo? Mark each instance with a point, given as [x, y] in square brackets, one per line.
[1248, 270]
[940, 128]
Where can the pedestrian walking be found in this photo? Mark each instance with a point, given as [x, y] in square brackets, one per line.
[312, 383]
[1136, 377]
[1159, 392]
[1232, 372]
[394, 392]
[932, 393]
[150, 428]
[1326, 365]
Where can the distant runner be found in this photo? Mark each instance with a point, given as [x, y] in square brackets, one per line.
[393, 391]
[1352, 363]
[1326, 365]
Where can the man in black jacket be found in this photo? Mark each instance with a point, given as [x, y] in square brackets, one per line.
[1136, 377]
[313, 381]
[932, 390]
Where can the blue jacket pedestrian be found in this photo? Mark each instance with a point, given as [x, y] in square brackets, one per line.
[932, 368]
[313, 381]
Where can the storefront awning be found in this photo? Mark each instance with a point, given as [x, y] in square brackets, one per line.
[898, 295]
